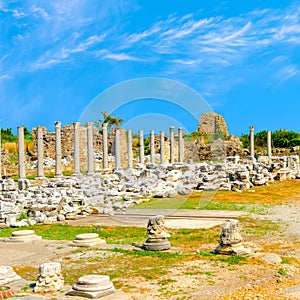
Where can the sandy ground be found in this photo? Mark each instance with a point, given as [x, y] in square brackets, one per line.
[191, 280]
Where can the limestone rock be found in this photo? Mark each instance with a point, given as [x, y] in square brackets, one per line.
[92, 287]
[157, 235]
[213, 124]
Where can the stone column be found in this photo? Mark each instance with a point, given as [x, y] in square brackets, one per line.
[252, 141]
[90, 148]
[162, 147]
[142, 156]
[269, 144]
[21, 153]
[171, 144]
[58, 169]
[40, 153]
[76, 149]
[117, 150]
[129, 148]
[180, 145]
[104, 146]
[152, 149]
[0, 152]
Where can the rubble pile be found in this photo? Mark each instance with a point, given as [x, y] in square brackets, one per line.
[74, 197]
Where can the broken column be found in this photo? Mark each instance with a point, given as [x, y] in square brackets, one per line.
[230, 241]
[252, 141]
[142, 157]
[171, 144]
[117, 150]
[40, 153]
[157, 235]
[162, 147]
[88, 240]
[58, 169]
[104, 146]
[7, 275]
[92, 286]
[50, 278]
[269, 144]
[180, 145]
[76, 149]
[24, 236]
[90, 148]
[21, 153]
[129, 148]
[152, 149]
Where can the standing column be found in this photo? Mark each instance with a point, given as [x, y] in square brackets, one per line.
[269, 144]
[129, 148]
[180, 145]
[58, 169]
[76, 149]
[117, 150]
[252, 141]
[142, 156]
[21, 153]
[171, 144]
[104, 146]
[90, 148]
[0, 152]
[40, 153]
[162, 147]
[152, 149]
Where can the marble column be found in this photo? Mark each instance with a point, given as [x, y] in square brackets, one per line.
[90, 148]
[40, 152]
[76, 127]
[162, 147]
[171, 144]
[0, 152]
[58, 155]
[269, 144]
[21, 153]
[180, 145]
[142, 155]
[152, 149]
[117, 150]
[129, 148]
[252, 141]
[104, 146]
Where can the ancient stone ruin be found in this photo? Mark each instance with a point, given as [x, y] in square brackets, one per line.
[230, 241]
[88, 240]
[92, 287]
[50, 278]
[157, 235]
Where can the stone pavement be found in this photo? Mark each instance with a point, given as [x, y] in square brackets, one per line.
[185, 218]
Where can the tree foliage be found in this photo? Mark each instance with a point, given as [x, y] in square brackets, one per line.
[280, 139]
[7, 135]
[112, 121]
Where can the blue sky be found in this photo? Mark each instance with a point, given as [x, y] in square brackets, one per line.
[242, 57]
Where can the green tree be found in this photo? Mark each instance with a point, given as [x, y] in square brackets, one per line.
[112, 121]
[7, 136]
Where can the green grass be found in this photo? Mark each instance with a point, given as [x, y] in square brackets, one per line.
[201, 203]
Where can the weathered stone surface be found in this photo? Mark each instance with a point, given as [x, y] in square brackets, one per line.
[230, 241]
[157, 235]
[7, 275]
[50, 278]
[88, 240]
[213, 124]
[92, 287]
[24, 236]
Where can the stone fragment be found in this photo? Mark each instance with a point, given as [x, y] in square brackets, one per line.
[157, 235]
[88, 240]
[7, 275]
[230, 241]
[24, 236]
[50, 278]
[92, 287]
